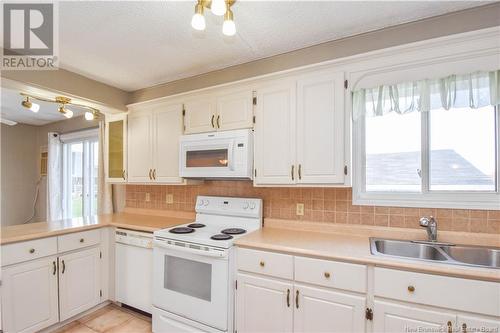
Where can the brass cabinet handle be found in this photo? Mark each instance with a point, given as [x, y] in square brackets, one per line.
[212, 121]
[297, 299]
[464, 328]
[288, 297]
[154, 174]
[54, 268]
[32, 250]
[411, 289]
[293, 167]
[300, 171]
[64, 267]
[82, 240]
[218, 124]
[123, 175]
[262, 264]
[150, 178]
[327, 275]
[450, 328]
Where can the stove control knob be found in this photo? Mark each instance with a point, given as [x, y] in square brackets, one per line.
[245, 205]
[206, 202]
[252, 205]
[200, 202]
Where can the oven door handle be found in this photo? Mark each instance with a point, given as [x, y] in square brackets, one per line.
[221, 254]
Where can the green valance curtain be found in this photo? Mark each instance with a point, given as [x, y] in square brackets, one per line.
[474, 90]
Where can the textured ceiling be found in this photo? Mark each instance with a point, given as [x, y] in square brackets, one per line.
[13, 110]
[133, 45]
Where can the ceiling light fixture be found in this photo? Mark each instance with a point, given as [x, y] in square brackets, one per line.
[30, 105]
[91, 114]
[219, 8]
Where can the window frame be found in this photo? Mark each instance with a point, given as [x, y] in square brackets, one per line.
[425, 198]
[87, 138]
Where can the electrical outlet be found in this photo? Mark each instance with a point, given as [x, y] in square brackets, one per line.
[148, 197]
[300, 209]
[169, 198]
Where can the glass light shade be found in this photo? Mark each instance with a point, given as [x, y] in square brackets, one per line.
[198, 22]
[229, 28]
[34, 107]
[89, 115]
[68, 114]
[218, 7]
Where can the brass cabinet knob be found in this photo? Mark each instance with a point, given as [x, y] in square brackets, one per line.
[411, 289]
[32, 250]
[327, 275]
[82, 240]
[262, 264]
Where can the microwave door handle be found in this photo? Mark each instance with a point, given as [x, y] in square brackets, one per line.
[230, 156]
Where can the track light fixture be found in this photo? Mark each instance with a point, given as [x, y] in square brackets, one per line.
[63, 102]
[219, 8]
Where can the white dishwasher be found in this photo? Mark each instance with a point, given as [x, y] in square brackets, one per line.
[134, 268]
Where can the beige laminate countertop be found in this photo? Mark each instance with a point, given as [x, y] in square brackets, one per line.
[130, 220]
[353, 245]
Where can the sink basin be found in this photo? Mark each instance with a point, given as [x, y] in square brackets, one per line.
[480, 256]
[440, 252]
[407, 250]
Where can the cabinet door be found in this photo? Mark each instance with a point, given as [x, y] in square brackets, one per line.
[468, 323]
[393, 317]
[321, 310]
[320, 129]
[263, 305]
[116, 148]
[200, 115]
[29, 296]
[234, 111]
[79, 282]
[140, 147]
[275, 135]
[168, 129]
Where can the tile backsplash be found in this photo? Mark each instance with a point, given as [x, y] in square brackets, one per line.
[329, 205]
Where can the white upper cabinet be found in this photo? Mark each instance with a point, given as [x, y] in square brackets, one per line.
[79, 282]
[321, 310]
[140, 147]
[116, 148]
[320, 129]
[167, 130]
[200, 115]
[220, 111]
[234, 110]
[275, 134]
[299, 131]
[153, 144]
[29, 296]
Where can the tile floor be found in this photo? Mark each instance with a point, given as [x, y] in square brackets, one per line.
[110, 319]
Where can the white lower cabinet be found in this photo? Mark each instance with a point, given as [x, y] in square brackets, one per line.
[264, 305]
[29, 295]
[394, 317]
[472, 323]
[79, 282]
[322, 310]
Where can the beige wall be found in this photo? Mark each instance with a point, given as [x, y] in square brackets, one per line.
[449, 24]
[19, 172]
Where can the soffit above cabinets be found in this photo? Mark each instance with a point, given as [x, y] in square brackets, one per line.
[133, 45]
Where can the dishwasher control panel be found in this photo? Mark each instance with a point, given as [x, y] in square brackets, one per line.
[135, 238]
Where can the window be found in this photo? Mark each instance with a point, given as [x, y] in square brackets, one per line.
[80, 172]
[413, 149]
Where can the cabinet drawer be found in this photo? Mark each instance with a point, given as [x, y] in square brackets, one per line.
[268, 263]
[448, 292]
[24, 251]
[331, 274]
[78, 240]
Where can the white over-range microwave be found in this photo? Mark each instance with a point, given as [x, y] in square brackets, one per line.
[226, 154]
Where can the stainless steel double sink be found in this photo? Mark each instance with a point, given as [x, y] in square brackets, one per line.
[437, 252]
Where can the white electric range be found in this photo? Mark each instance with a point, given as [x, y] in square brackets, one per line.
[193, 266]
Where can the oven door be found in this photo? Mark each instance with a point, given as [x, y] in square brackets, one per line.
[191, 285]
[208, 158]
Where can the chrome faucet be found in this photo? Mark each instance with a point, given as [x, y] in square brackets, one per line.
[431, 226]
